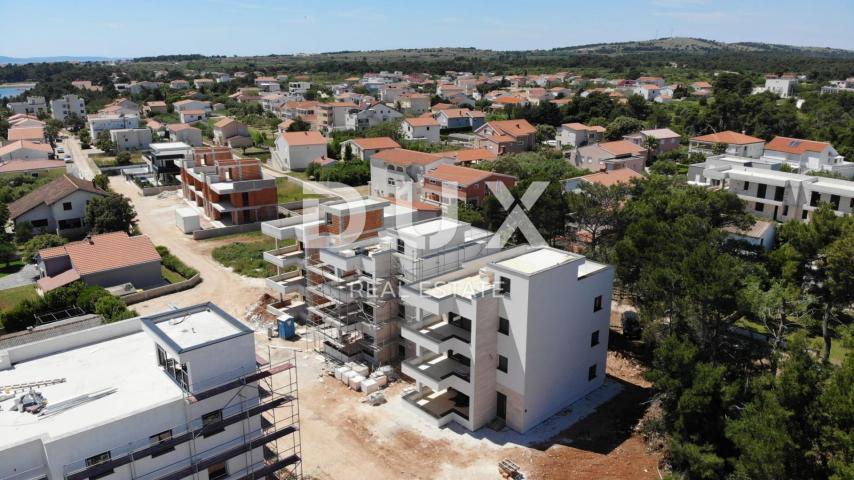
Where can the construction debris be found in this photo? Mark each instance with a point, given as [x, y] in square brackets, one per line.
[508, 469]
[374, 399]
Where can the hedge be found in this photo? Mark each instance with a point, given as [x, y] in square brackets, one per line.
[175, 264]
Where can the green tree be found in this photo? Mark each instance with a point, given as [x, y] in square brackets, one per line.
[104, 143]
[299, 125]
[112, 213]
[622, 126]
[650, 143]
[30, 248]
[837, 422]
[23, 232]
[85, 139]
[4, 217]
[123, 158]
[594, 210]
[7, 252]
[761, 436]
[102, 181]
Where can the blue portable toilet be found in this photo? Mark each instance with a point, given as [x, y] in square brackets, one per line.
[287, 327]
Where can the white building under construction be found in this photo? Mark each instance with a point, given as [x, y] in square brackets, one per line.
[484, 331]
[172, 396]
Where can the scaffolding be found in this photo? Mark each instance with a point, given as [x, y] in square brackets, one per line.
[269, 393]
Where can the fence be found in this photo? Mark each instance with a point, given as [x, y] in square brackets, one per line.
[164, 290]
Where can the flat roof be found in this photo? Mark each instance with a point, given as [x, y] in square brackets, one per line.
[169, 146]
[466, 287]
[196, 326]
[128, 364]
[363, 203]
[537, 260]
[431, 226]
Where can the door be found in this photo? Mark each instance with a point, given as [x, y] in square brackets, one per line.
[502, 406]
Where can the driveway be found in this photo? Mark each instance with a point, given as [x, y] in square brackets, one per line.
[25, 276]
[156, 218]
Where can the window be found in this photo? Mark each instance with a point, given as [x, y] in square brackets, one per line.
[504, 286]
[503, 326]
[834, 201]
[760, 190]
[211, 419]
[159, 439]
[161, 356]
[785, 210]
[245, 198]
[746, 186]
[329, 219]
[597, 303]
[594, 338]
[814, 199]
[217, 471]
[805, 214]
[39, 223]
[97, 460]
[591, 372]
[502, 363]
[778, 193]
[401, 247]
[759, 207]
[66, 205]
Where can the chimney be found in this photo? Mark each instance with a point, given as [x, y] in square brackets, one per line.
[89, 239]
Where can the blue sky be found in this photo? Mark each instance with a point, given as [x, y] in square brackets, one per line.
[123, 28]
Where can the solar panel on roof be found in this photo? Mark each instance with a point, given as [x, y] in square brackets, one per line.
[794, 143]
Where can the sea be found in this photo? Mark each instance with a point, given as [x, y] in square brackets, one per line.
[7, 92]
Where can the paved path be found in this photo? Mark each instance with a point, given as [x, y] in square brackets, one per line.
[156, 217]
[24, 276]
[84, 167]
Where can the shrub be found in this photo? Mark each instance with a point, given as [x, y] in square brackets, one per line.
[173, 263]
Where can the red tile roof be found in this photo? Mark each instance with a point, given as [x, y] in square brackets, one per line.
[613, 177]
[464, 176]
[514, 128]
[375, 143]
[472, 155]
[403, 157]
[15, 146]
[621, 147]
[26, 133]
[106, 252]
[11, 166]
[793, 145]
[422, 122]
[304, 138]
[728, 137]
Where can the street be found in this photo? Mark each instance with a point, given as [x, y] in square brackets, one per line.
[82, 167]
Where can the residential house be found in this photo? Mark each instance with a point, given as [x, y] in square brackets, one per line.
[66, 105]
[164, 159]
[22, 120]
[606, 178]
[391, 92]
[131, 138]
[31, 106]
[732, 143]
[105, 122]
[179, 84]
[29, 134]
[398, 173]
[839, 86]
[307, 111]
[230, 190]
[25, 150]
[192, 115]
[782, 86]
[184, 133]
[506, 136]
[578, 135]
[120, 106]
[332, 116]
[414, 104]
[770, 193]
[805, 156]
[448, 183]
[648, 92]
[188, 104]
[232, 133]
[294, 150]
[656, 81]
[86, 85]
[611, 156]
[299, 88]
[702, 88]
[471, 156]
[364, 148]
[33, 168]
[667, 139]
[201, 83]
[459, 118]
[155, 106]
[421, 128]
[284, 126]
[761, 234]
[57, 207]
[106, 260]
[508, 100]
[370, 116]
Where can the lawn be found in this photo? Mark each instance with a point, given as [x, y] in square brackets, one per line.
[11, 297]
[13, 267]
[837, 349]
[261, 154]
[247, 257]
[170, 276]
[290, 191]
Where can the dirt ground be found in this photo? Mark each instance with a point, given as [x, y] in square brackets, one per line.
[156, 218]
[344, 438]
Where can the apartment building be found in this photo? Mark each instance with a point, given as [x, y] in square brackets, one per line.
[299, 88]
[333, 116]
[727, 142]
[100, 122]
[66, 105]
[805, 156]
[578, 135]
[770, 193]
[782, 86]
[176, 395]
[31, 106]
[397, 173]
[448, 183]
[131, 138]
[230, 190]
[516, 335]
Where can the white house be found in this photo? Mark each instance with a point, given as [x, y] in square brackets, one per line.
[67, 104]
[57, 207]
[421, 128]
[578, 135]
[783, 86]
[25, 150]
[371, 116]
[398, 172]
[299, 88]
[192, 115]
[107, 122]
[295, 150]
[131, 138]
[31, 106]
[182, 105]
[807, 156]
[178, 394]
[732, 143]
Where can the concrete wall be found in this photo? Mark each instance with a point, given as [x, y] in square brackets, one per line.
[141, 276]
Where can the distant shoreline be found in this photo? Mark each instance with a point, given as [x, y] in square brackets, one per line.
[27, 85]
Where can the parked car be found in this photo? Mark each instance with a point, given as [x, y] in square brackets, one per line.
[630, 322]
[68, 158]
[60, 150]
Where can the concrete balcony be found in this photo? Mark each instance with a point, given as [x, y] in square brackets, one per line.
[440, 407]
[290, 282]
[438, 372]
[284, 257]
[437, 335]
[283, 228]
